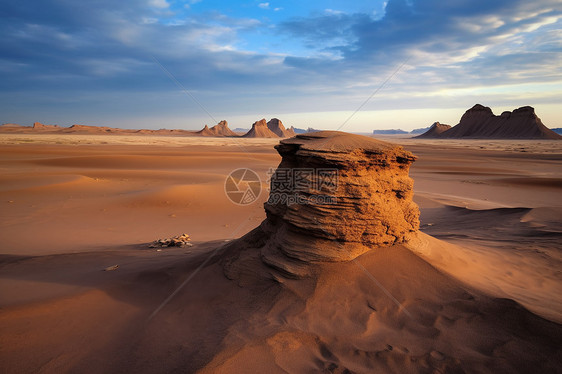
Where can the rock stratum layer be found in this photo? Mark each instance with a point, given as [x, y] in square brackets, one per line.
[479, 122]
[353, 194]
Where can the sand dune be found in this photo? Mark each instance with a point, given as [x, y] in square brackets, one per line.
[443, 303]
[78, 198]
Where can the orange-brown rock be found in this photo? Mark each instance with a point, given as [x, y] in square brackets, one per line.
[38, 126]
[276, 126]
[260, 130]
[368, 205]
[479, 122]
[219, 130]
[435, 130]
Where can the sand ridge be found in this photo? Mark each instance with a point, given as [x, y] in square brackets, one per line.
[58, 302]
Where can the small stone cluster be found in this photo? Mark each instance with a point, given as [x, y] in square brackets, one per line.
[182, 240]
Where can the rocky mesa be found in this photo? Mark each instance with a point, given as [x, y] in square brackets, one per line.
[479, 122]
[276, 126]
[260, 130]
[221, 129]
[435, 130]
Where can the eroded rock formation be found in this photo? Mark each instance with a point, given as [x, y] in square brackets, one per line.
[333, 197]
[435, 130]
[276, 126]
[219, 130]
[479, 122]
[260, 130]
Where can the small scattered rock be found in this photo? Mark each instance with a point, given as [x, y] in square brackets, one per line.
[111, 268]
[182, 240]
[437, 355]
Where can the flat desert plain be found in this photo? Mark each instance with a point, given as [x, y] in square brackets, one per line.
[74, 206]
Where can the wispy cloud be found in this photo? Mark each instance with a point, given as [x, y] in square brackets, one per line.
[159, 3]
[325, 60]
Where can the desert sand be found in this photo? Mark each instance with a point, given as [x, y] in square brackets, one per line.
[478, 289]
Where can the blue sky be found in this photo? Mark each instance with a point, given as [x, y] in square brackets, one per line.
[310, 63]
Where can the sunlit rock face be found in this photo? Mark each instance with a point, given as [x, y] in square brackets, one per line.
[333, 197]
[479, 122]
[276, 126]
[435, 130]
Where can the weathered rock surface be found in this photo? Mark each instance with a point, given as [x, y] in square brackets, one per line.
[260, 130]
[182, 240]
[479, 122]
[40, 126]
[205, 131]
[435, 130]
[368, 205]
[276, 126]
[219, 130]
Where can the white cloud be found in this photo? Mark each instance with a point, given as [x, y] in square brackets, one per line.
[149, 20]
[190, 3]
[162, 4]
[498, 56]
[333, 12]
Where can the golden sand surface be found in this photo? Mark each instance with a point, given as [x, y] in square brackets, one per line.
[75, 205]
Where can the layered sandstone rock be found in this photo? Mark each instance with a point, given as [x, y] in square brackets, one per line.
[349, 194]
